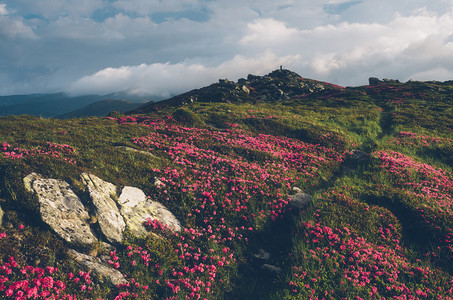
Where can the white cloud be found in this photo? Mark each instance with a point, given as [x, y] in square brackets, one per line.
[166, 78]
[3, 10]
[267, 30]
[15, 27]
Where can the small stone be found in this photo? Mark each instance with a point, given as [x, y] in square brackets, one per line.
[95, 266]
[157, 182]
[297, 190]
[2, 213]
[359, 155]
[300, 199]
[262, 254]
[272, 268]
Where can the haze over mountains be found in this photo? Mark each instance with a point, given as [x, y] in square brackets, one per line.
[62, 105]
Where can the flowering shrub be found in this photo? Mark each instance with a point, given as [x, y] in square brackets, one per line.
[64, 152]
[433, 185]
[339, 264]
[410, 139]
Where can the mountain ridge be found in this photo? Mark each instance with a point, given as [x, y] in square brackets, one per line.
[278, 85]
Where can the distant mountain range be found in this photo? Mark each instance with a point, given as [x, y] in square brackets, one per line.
[61, 105]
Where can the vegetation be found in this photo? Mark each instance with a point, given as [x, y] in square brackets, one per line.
[380, 224]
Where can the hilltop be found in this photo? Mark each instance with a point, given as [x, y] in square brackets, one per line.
[271, 187]
[278, 85]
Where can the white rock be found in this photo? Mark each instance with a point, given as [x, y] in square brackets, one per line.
[102, 195]
[63, 211]
[94, 266]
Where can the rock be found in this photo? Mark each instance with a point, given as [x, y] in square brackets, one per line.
[300, 199]
[2, 213]
[374, 81]
[28, 180]
[297, 190]
[157, 182]
[102, 195]
[94, 266]
[62, 210]
[359, 155]
[131, 196]
[272, 268]
[136, 208]
[262, 254]
[129, 149]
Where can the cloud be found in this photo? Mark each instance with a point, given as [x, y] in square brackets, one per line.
[12, 27]
[52, 44]
[54, 9]
[268, 30]
[164, 79]
[3, 10]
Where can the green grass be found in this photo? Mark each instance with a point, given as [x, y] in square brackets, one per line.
[376, 206]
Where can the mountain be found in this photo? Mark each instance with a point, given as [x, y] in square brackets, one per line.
[102, 108]
[272, 187]
[57, 104]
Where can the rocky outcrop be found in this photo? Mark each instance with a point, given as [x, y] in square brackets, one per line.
[377, 81]
[65, 213]
[103, 196]
[61, 209]
[276, 86]
[100, 270]
[136, 207]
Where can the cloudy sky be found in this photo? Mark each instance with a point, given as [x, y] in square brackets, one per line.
[163, 47]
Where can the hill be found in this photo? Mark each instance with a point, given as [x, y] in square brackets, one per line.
[101, 109]
[279, 85]
[272, 187]
[58, 104]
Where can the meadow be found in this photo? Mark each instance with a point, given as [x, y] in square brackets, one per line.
[379, 226]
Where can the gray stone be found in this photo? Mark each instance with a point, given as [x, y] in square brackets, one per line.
[129, 149]
[2, 213]
[102, 195]
[297, 190]
[262, 254]
[95, 266]
[272, 268]
[136, 208]
[359, 155]
[300, 199]
[62, 210]
[28, 180]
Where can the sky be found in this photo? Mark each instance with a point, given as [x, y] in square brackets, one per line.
[166, 47]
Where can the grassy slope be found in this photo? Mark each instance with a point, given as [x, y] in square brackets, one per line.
[381, 226]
